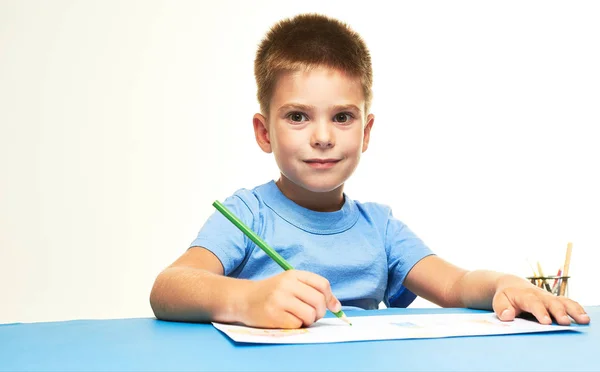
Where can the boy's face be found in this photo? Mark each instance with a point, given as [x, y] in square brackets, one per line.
[316, 128]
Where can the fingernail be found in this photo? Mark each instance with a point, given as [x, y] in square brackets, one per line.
[585, 316]
[504, 314]
[547, 319]
[565, 319]
[337, 307]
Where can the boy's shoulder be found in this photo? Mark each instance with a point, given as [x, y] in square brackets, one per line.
[254, 198]
[250, 197]
[373, 207]
[379, 214]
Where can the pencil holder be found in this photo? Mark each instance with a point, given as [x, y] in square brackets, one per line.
[557, 285]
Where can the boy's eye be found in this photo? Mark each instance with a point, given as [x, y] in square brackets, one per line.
[297, 117]
[342, 117]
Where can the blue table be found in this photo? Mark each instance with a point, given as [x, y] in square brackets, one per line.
[152, 345]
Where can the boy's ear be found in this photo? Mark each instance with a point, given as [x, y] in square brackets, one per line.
[261, 133]
[367, 133]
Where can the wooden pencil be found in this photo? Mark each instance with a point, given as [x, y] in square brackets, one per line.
[565, 272]
[544, 282]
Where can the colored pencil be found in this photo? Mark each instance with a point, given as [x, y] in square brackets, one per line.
[263, 245]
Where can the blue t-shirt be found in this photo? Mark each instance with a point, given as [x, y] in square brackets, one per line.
[362, 250]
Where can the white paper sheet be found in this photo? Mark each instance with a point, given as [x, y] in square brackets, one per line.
[388, 327]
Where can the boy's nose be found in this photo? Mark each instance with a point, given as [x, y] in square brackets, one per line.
[323, 136]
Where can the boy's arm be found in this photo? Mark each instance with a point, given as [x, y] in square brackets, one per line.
[449, 286]
[194, 289]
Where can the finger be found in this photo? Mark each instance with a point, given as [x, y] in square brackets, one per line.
[288, 321]
[558, 310]
[503, 308]
[575, 310]
[276, 314]
[322, 285]
[312, 297]
[306, 313]
[532, 303]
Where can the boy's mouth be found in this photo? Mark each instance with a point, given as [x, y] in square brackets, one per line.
[321, 163]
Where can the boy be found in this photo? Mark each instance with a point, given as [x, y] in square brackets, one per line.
[314, 81]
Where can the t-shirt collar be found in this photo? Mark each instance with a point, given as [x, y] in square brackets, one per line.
[306, 219]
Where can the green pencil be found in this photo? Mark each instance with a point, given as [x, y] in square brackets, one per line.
[264, 246]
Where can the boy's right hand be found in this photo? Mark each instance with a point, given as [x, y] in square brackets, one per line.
[291, 299]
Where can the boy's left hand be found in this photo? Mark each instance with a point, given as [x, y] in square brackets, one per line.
[510, 301]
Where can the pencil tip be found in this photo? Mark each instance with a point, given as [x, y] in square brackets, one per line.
[345, 319]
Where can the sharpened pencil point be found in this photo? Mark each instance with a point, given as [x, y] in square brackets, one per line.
[345, 319]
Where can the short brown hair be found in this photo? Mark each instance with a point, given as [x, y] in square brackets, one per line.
[306, 41]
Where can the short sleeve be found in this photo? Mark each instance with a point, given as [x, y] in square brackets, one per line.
[223, 238]
[404, 250]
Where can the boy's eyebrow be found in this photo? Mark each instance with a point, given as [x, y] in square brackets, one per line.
[295, 106]
[301, 107]
[346, 107]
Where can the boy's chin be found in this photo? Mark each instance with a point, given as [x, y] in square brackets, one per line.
[315, 184]
[321, 187]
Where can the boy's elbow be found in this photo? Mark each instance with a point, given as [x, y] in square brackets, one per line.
[157, 302]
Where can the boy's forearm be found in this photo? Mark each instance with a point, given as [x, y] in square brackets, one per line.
[195, 295]
[477, 288]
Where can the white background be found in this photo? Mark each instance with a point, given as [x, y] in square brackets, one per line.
[122, 121]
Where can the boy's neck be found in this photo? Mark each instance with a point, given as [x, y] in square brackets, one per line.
[330, 201]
